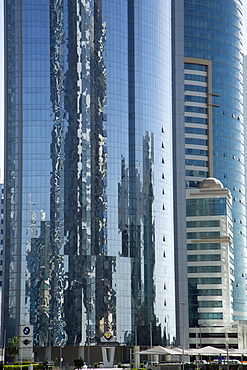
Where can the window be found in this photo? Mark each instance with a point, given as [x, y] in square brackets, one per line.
[195, 141]
[203, 257]
[208, 207]
[196, 67]
[232, 335]
[196, 151]
[203, 234]
[197, 99]
[194, 162]
[196, 173]
[210, 316]
[203, 269]
[193, 77]
[203, 246]
[208, 223]
[188, 108]
[195, 130]
[210, 304]
[196, 120]
[213, 335]
[208, 292]
[188, 87]
[204, 280]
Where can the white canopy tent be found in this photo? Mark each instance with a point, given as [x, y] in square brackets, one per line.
[203, 351]
[237, 352]
[159, 350]
[207, 351]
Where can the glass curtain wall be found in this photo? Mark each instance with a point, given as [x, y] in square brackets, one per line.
[89, 232]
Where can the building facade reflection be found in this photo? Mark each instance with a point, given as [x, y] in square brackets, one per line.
[89, 171]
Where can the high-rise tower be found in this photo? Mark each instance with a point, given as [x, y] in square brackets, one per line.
[214, 129]
[88, 178]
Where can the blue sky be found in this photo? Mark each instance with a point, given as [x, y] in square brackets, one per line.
[2, 67]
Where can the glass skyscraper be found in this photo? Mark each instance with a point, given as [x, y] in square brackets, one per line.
[214, 114]
[88, 171]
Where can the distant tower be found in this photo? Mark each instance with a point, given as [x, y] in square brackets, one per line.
[210, 254]
[214, 140]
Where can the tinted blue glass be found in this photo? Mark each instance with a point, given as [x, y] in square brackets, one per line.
[195, 130]
[197, 67]
[195, 162]
[195, 109]
[206, 207]
[207, 223]
[195, 88]
[202, 234]
[196, 173]
[205, 280]
[202, 246]
[203, 269]
[191, 140]
[89, 90]
[193, 98]
[195, 77]
[195, 119]
[196, 151]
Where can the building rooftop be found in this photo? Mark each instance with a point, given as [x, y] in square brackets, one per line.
[211, 182]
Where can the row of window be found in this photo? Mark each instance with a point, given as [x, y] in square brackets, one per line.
[210, 316]
[195, 88]
[193, 109]
[192, 184]
[210, 304]
[196, 162]
[203, 246]
[215, 335]
[203, 257]
[200, 120]
[205, 280]
[203, 223]
[196, 130]
[203, 234]
[207, 207]
[195, 141]
[195, 77]
[196, 67]
[203, 269]
[196, 173]
[194, 98]
[196, 152]
[209, 292]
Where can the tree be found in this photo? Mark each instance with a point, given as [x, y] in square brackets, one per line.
[13, 346]
[79, 363]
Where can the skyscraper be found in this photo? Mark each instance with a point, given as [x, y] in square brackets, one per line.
[88, 178]
[214, 141]
[210, 254]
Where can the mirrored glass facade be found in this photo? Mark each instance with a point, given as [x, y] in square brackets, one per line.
[213, 33]
[88, 178]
